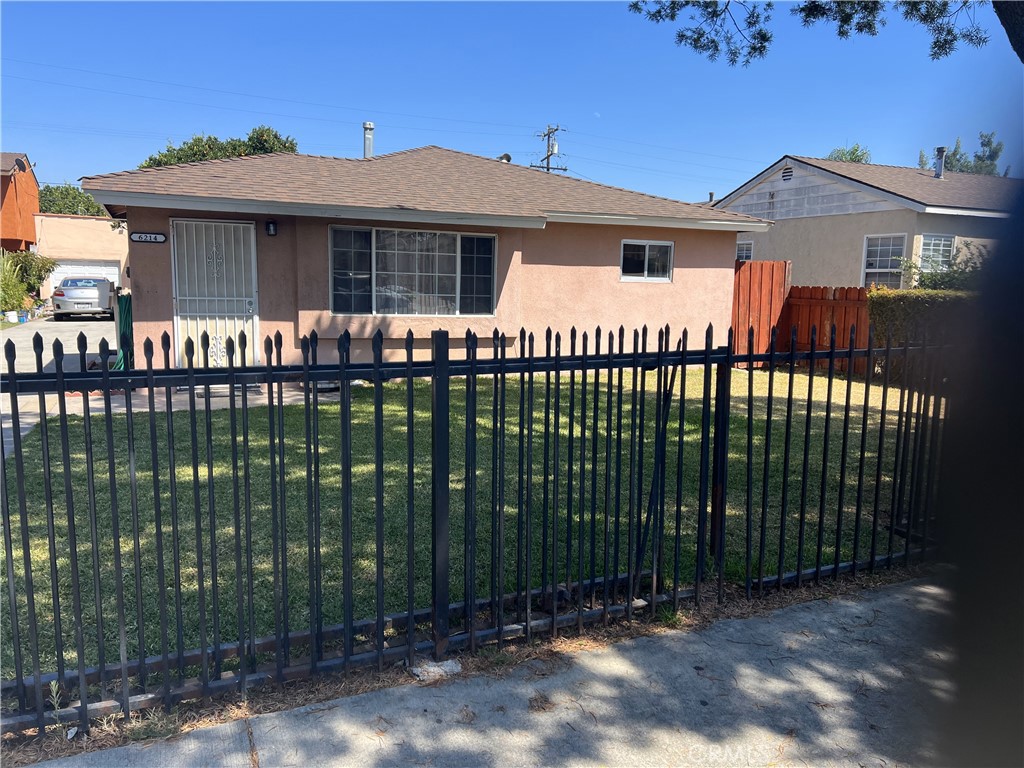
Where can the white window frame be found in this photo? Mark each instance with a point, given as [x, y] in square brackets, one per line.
[745, 242]
[373, 272]
[624, 278]
[920, 255]
[864, 258]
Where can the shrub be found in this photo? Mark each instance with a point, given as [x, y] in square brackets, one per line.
[12, 289]
[901, 315]
[32, 268]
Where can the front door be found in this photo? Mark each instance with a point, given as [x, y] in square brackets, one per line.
[215, 288]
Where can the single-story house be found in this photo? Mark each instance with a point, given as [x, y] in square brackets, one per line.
[82, 246]
[855, 224]
[19, 200]
[422, 239]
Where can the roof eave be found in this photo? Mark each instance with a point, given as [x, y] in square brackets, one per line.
[224, 205]
[666, 222]
[943, 211]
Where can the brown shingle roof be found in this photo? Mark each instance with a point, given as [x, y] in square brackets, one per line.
[955, 190]
[425, 179]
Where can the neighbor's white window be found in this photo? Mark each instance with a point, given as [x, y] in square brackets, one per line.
[647, 260]
[404, 272]
[883, 260]
[744, 251]
[937, 252]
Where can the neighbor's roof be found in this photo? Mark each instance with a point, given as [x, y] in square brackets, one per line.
[7, 159]
[425, 184]
[959, 192]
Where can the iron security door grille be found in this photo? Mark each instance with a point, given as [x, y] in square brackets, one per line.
[215, 287]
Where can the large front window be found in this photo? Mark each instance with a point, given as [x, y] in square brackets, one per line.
[404, 272]
[883, 260]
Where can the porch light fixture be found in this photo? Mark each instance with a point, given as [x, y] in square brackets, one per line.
[271, 228]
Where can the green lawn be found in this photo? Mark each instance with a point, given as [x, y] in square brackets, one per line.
[183, 585]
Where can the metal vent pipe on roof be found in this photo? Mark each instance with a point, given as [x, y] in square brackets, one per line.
[940, 162]
[367, 140]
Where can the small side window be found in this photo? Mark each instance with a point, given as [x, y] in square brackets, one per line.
[647, 260]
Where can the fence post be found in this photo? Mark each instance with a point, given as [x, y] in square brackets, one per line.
[439, 496]
[720, 458]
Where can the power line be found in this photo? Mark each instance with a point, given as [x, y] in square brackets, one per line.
[177, 138]
[672, 174]
[586, 178]
[670, 149]
[362, 110]
[662, 159]
[241, 109]
[78, 130]
[545, 160]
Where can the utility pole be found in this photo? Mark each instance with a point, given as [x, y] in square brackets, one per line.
[552, 150]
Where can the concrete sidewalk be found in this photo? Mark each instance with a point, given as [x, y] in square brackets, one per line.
[853, 680]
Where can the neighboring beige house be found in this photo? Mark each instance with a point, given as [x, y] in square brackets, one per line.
[423, 239]
[854, 224]
[82, 246]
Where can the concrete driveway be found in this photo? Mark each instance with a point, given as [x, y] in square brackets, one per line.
[51, 330]
[25, 362]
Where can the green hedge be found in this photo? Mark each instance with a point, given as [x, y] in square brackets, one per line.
[899, 315]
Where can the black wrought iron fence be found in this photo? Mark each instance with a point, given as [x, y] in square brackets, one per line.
[172, 533]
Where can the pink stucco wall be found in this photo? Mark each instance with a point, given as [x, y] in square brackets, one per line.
[571, 276]
[563, 275]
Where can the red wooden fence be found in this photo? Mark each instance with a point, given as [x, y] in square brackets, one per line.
[759, 297]
[817, 307]
[763, 299]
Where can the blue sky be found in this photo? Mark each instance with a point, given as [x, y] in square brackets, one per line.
[95, 88]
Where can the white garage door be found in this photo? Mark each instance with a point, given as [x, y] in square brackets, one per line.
[109, 270]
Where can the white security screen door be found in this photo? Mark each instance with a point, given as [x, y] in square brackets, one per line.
[215, 288]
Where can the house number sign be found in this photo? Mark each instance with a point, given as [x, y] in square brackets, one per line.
[148, 237]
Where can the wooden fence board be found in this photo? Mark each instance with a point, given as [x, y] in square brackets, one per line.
[759, 296]
[821, 307]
